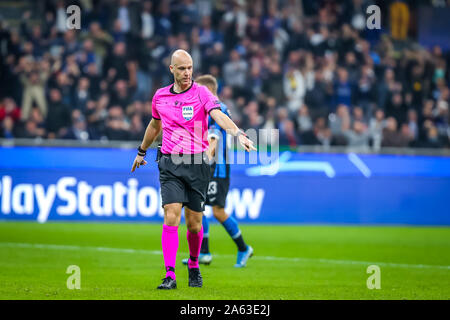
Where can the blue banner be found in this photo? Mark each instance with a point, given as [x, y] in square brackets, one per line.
[58, 184]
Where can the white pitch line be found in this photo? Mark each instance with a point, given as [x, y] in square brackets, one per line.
[158, 252]
[359, 164]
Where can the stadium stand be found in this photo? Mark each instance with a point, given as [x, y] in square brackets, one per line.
[308, 68]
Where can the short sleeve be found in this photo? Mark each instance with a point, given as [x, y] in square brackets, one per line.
[155, 114]
[208, 100]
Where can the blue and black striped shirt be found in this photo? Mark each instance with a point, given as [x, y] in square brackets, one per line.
[214, 130]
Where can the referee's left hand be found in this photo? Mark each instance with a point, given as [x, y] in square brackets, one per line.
[138, 161]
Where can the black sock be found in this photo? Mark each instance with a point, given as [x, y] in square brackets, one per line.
[240, 243]
[205, 245]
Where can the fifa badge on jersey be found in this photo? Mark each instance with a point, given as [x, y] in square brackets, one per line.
[187, 112]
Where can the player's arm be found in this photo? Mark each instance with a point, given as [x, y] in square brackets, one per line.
[211, 152]
[152, 131]
[226, 123]
[213, 138]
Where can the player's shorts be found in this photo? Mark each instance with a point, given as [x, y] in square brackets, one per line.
[217, 192]
[186, 182]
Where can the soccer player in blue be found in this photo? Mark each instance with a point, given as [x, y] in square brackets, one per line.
[219, 185]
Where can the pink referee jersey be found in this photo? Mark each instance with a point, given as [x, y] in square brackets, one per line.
[184, 118]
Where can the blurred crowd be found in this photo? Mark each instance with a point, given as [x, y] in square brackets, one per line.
[308, 68]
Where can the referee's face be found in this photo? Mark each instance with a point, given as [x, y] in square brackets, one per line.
[182, 71]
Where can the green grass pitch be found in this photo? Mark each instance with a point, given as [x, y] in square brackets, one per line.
[124, 261]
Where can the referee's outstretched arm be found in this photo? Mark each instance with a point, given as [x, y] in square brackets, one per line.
[152, 131]
[227, 124]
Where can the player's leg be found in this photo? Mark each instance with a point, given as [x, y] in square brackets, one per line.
[217, 195]
[231, 226]
[173, 194]
[205, 256]
[196, 179]
[205, 243]
[194, 234]
[169, 242]
[194, 238]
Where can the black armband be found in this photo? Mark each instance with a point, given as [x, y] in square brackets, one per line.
[141, 152]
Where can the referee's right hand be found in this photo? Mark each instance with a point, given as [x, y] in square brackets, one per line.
[138, 161]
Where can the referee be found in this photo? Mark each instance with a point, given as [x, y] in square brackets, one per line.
[181, 110]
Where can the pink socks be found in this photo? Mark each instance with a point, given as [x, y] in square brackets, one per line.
[169, 241]
[195, 243]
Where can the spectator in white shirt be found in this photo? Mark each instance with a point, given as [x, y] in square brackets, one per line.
[148, 23]
[294, 87]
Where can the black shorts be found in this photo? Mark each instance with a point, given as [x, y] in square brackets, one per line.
[184, 183]
[217, 192]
